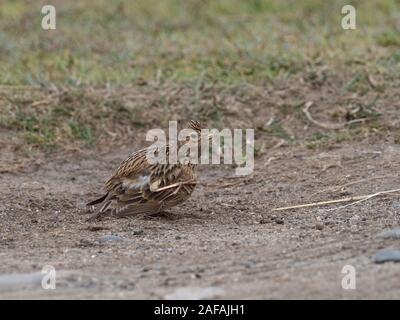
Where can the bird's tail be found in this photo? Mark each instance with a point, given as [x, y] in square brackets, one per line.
[107, 199]
[97, 201]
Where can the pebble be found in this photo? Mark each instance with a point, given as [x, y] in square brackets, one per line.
[277, 220]
[393, 234]
[111, 238]
[9, 281]
[387, 255]
[396, 205]
[85, 243]
[319, 225]
[137, 232]
[194, 293]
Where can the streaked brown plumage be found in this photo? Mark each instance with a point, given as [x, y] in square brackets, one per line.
[138, 187]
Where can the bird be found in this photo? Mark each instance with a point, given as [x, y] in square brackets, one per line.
[139, 187]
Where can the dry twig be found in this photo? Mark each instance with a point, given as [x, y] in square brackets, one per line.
[355, 200]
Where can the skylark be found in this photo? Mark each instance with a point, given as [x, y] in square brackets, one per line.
[138, 187]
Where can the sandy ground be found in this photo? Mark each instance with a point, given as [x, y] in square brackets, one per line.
[225, 242]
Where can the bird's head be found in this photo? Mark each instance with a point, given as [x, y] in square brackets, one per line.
[196, 134]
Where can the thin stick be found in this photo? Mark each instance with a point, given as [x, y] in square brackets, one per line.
[367, 198]
[356, 200]
[173, 185]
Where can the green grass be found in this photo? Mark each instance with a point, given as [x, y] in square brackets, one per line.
[230, 41]
[194, 58]
[81, 131]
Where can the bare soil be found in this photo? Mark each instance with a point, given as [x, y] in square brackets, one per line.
[225, 242]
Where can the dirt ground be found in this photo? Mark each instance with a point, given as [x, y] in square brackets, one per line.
[225, 242]
[324, 104]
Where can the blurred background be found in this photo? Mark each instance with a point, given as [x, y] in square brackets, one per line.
[324, 103]
[113, 68]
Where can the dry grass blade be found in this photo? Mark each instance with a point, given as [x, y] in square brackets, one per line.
[355, 200]
[329, 126]
[177, 184]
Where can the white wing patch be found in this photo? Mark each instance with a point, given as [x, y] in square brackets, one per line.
[137, 183]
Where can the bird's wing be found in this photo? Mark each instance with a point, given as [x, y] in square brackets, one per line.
[171, 183]
[151, 192]
[139, 187]
[131, 170]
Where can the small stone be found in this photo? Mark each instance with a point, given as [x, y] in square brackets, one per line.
[392, 234]
[319, 226]
[178, 238]
[387, 255]
[250, 264]
[8, 281]
[85, 243]
[137, 232]
[110, 238]
[396, 205]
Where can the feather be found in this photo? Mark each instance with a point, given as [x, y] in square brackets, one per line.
[138, 209]
[97, 201]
